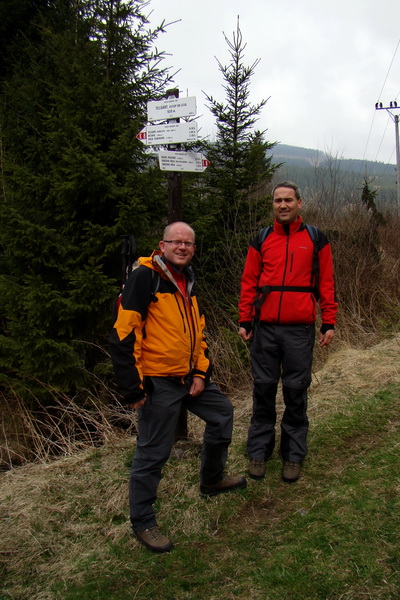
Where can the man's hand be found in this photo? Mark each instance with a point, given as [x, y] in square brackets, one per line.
[244, 335]
[326, 338]
[197, 386]
[139, 403]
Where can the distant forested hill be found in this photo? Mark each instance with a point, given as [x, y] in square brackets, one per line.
[308, 167]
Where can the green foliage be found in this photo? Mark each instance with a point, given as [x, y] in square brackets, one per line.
[74, 178]
[368, 198]
[239, 165]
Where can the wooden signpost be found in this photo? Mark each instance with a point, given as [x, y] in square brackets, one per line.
[171, 133]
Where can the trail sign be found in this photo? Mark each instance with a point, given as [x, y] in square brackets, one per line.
[171, 108]
[170, 133]
[182, 161]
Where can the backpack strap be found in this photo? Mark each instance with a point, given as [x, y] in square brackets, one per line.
[262, 235]
[313, 232]
[155, 284]
[264, 290]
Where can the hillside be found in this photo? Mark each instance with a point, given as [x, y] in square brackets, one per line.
[298, 156]
[331, 536]
[309, 168]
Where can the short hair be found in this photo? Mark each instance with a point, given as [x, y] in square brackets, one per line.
[168, 229]
[288, 184]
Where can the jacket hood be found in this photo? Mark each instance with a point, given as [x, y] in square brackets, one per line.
[157, 263]
[148, 261]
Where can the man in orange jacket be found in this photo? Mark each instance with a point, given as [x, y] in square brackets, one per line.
[161, 362]
[285, 275]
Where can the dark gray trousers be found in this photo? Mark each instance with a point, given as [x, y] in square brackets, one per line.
[157, 423]
[280, 351]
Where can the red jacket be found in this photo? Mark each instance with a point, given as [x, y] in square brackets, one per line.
[285, 258]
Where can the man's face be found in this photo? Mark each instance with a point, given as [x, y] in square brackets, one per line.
[178, 254]
[285, 205]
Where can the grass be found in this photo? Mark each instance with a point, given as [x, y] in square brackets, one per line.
[331, 536]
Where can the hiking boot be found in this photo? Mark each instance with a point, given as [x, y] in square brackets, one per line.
[227, 483]
[290, 471]
[153, 539]
[257, 468]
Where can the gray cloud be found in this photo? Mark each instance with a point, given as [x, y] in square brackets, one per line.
[322, 65]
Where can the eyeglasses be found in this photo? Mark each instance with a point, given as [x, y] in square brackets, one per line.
[179, 243]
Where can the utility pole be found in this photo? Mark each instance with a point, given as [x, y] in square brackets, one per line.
[395, 118]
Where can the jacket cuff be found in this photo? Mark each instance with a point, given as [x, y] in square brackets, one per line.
[247, 325]
[325, 327]
[197, 373]
[204, 375]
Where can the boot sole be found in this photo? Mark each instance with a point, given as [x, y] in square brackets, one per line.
[159, 549]
[239, 486]
[258, 477]
[287, 480]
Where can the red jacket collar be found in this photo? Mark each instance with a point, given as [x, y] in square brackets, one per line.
[283, 229]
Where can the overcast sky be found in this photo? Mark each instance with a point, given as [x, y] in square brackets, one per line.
[323, 66]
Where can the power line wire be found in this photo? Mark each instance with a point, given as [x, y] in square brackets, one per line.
[382, 138]
[379, 97]
[390, 66]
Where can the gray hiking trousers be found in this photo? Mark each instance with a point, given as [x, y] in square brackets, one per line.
[280, 351]
[157, 426]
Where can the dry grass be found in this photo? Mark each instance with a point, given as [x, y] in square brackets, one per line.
[354, 371]
[42, 508]
[65, 428]
[62, 428]
[49, 508]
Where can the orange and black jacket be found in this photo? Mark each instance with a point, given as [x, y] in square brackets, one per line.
[159, 334]
[283, 264]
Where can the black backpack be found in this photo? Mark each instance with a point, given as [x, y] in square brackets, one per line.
[129, 257]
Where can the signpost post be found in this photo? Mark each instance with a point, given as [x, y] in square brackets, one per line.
[171, 134]
[174, 161]
[174, 109]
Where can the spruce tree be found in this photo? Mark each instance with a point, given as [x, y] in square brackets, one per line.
[239, 166]
[234, 195]
[74, 179]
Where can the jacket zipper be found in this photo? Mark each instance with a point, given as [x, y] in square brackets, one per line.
[184, 313]
[186, 319]
[181, 313]
[284, 276]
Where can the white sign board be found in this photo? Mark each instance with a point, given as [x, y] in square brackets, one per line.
[182, 161]
[170, 133]
[171, 108]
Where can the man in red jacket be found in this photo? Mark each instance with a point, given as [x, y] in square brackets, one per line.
[288, 270]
